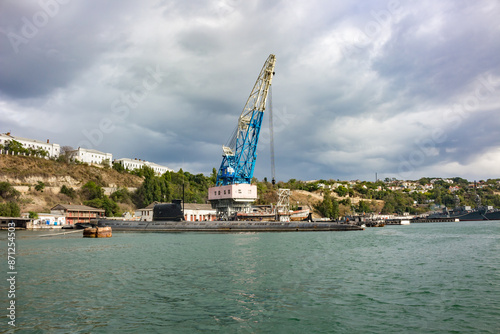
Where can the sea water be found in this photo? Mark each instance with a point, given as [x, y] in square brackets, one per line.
[422, 278]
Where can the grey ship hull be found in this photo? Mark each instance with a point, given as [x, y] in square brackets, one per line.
[473, 215]
[224, 226]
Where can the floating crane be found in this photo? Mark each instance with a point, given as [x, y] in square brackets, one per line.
[233, 191]
[238, 159]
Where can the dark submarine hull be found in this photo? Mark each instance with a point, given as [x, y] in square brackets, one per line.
[168, 217]
[224, 226]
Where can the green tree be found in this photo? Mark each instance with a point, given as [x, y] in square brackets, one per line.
[153, 188]
[329, 207]
[110, 206]
[346, 202]
[172, 185]
[118, 167]
[122, 195]
[213, 176]
[39, 152]
[91, 190]
[341, 191]
[425, 180]
[70, 192]
[15, 147]
[8, 192]
[33, 215]
[388, 208]
[10, 209]
[360, 188]
[363, 207]
[40, 186]
[313, 186]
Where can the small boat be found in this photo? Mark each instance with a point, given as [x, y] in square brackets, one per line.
[299, 215]
[256, 216]
[81, 226]
[77, 226]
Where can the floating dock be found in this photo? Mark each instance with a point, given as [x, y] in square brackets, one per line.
[435, 220]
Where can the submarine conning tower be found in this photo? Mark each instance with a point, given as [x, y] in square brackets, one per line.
[168, 211]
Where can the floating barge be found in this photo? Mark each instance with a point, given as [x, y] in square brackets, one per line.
[97, 232]
[435, 220]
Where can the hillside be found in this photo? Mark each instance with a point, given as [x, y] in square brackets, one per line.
[25, 173]
[310, 199]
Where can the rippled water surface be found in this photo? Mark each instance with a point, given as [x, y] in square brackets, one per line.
[422, 278]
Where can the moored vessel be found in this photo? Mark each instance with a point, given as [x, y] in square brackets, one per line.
[169, 218]
[467, 213]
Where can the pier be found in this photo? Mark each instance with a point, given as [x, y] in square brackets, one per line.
[435, 220]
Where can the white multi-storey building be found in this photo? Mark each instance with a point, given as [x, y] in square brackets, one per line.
[53, 150]
[132, 164]
[91, 156]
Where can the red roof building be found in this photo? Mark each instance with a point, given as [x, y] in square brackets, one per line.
[77, 213]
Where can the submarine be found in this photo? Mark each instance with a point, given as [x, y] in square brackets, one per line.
[169, 217]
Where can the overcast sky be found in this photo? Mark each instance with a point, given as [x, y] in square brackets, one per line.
[404, 89]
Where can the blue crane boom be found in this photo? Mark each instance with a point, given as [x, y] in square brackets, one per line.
[238, 159]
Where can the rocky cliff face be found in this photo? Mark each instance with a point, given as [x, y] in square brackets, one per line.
[51, 181]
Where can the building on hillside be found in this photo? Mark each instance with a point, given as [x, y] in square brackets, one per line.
[199, 212]
[53, 150]
[192, 212]
[146, 214]
[409, 185]
[132, 164]
[91, 156]
[77, 213]
[49, 219]
[16, 222]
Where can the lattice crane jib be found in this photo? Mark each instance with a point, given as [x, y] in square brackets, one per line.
[238, 159]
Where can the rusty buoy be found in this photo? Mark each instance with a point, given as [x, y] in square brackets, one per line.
[97, 232]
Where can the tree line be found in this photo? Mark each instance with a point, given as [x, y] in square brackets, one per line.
[154, 188]
[194, 189]
[16, 148]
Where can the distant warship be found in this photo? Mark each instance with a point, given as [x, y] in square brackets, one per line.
[466, 213]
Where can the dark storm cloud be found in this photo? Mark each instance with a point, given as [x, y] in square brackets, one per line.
[436, 55]
[46, 44]
[358, 86]
[475, 136]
